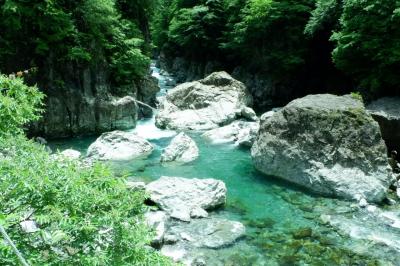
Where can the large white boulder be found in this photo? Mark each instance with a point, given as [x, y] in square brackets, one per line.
[182, 149]
[327, 143]
[214, 101]
[184, 198]
[119, 146]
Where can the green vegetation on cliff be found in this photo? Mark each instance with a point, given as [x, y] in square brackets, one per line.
[56, 34]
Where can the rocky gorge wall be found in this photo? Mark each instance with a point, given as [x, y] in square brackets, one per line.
[267, 91]
[83, 101]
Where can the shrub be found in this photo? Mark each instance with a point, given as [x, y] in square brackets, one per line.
[19, 104]
[85, 216]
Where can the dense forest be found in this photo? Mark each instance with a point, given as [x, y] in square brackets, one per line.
[307, 45]
[51, 35]
[313, 46]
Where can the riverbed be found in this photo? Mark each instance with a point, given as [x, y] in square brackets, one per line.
[285, 225]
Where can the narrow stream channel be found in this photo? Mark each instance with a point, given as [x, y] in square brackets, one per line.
[285, 225]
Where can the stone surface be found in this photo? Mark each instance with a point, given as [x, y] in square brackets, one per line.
[132, 185]
[214, 101]
[87, 102]
[71, 154]
[181, 149]
[327, 143]
[180, 196]
[239, 132]
[158, 221]
[119, 145]
[29, 226]
[386, 111]
[209, 232]
[249, 114]
[147, 90]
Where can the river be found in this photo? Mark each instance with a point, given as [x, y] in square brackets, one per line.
[285, 225]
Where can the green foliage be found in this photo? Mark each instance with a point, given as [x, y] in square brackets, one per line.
[325, 13]
[19, 104]
[55, 33]
[270, 35]
[197, 29]
[357, 96]
[86, 216]
[368, 43]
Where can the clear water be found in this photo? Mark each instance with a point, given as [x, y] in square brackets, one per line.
[278, 217]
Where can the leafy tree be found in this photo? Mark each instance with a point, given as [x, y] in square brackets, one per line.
[198, 29]
[368, 43]
[54, 33]
[19, 104]
[83, 215]
[269, 35]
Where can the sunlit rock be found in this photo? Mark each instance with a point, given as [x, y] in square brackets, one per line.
[327, 143]
[182, 149]
[214, 101]
[119, 146]
[180, 196]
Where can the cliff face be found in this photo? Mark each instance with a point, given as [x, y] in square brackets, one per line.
[82, 101]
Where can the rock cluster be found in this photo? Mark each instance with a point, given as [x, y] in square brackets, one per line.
[183, 227]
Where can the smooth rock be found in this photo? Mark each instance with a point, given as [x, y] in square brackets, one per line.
[29, 226]
[41, 140]
[157, 221]
[181, 149]
[327, 143]
[180, 196]
[175, 252]
[119, 146]
[249, 114]
[209, 232]
[209, 103]
[198, 213]
[71, 154]
[241, 133]
[386, 111]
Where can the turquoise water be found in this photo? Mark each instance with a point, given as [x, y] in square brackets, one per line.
[284, 224]
[278, 217]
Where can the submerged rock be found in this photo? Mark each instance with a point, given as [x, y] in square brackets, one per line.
[209, 232]
[181, 149]
[386, 111]
[119, 145]
[240, 132]
[181, 198]
[209, 241]
[327, 143]
[205, 104]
